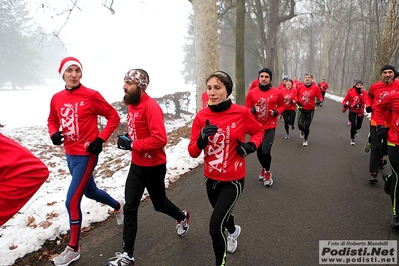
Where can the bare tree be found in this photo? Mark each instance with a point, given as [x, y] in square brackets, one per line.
[240, 54]
[390, 38]
[205, 42]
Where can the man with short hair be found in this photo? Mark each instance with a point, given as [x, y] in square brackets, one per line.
[306, 94]
[378, 90]
[266, 103]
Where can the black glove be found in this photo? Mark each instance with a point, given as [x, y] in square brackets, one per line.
[292, 101]
[274, 113]
[253, 110]
[208, 130]
[318, 103]
[299, 104]
[244, 149]
[124, 142]
[57, 138]
[381, 132]
[369, 109]
[96, 146]
[346, 105]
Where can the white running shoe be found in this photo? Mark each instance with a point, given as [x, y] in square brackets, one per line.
[232, 239]
[183, 226]
[119, 214]
[305, 142]
[287, 136]
[66, 257]
[121, 260]
[352, 143]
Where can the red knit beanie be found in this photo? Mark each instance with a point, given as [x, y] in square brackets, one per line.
[67, 62]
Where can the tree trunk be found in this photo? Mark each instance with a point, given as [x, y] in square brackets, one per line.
[240, 62]
[389, 39]
[205, 43]
[326, 41]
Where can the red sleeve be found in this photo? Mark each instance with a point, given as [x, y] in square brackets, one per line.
[370, 97]
[280, 103]
[21, 176]
[196, 127]
[53, 123]
[103, 108]
[157, 133]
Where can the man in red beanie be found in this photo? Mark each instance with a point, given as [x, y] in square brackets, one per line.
[73, 121]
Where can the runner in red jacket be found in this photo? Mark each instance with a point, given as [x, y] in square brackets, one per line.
[389, 107]
[266, 103]
[306, 96]
[21, 175]
[377, 92]
[219, 132]
[146, 138]
[355, 100]
[73, 121]
[289, 112]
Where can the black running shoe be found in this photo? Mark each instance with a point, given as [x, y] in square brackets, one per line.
[387, 183]
[382, 164]
[373, 178]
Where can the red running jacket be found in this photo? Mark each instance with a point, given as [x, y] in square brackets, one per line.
[221, 160]
[76, 112]
[21, 175]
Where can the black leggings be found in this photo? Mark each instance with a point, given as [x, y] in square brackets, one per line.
[378, 150]
[264, 150]
[393, 155]
[289, 119]
[223, 197]
[356, 123]
[139, 178]
[305, 118]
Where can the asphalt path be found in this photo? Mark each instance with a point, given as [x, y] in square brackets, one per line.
[320, 192]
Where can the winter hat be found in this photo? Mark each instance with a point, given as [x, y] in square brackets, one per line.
[141, 81]
[386, 67]
[67, 62]
[268, 71]
[228, 83]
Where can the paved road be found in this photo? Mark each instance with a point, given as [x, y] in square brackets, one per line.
[321, 192]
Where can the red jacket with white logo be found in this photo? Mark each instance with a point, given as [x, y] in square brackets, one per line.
[221, 160]
[145, 124]
[289, 96]
[355, 101]
[378, 91]
[271, 99]
[76, 112]
[307, 96]
[390, 105]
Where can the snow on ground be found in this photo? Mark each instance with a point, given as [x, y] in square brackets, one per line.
[45, 217]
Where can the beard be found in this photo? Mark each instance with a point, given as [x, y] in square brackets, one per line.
[132, 97]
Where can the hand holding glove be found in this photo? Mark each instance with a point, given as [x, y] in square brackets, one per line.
[124, 142]
[96, 146]
[57, 138]
[208, 130]
[243, 149]
[381, 132]
[274, 112]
